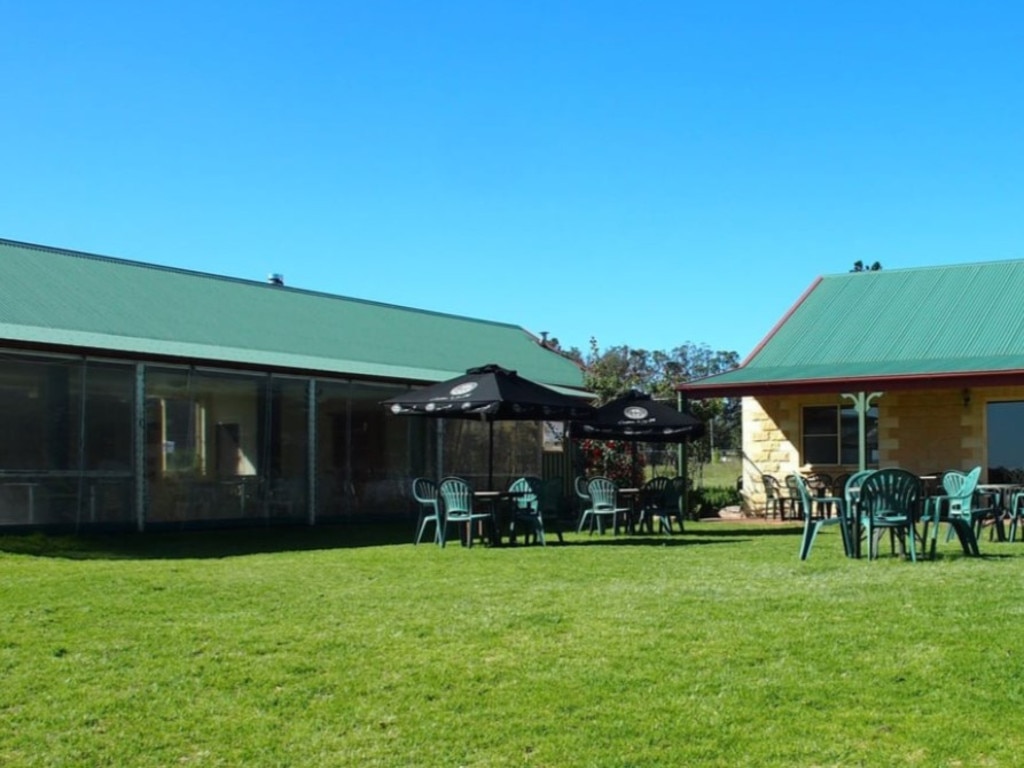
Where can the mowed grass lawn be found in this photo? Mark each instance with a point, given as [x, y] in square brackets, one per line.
[341, 647]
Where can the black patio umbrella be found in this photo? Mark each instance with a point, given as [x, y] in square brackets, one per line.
[637, 418]
[489, 393]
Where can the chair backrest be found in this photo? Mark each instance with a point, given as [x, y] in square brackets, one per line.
[960, 489]
[424, 490]
[603, 492]
[850, 491]
[890, 493]
[457, 495]
[527, 490]
[676, 488]
[580, 485]
[551, 495]
[655, 492]
[818, 481]
[854, 481]
[800, 485]
[772, 489]
[960, 483]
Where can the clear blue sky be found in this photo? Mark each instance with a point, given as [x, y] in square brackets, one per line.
[647, 173]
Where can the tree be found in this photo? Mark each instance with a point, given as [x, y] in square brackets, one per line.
[612, 372]
[858, 266]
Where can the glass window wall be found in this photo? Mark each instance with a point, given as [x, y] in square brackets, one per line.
[367, 458]
[66, 442]
[204, 432]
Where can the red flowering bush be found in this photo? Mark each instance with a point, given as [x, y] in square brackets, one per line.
[613, 459]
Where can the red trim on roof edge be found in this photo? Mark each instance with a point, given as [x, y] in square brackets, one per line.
[882, 383]
[782, 321]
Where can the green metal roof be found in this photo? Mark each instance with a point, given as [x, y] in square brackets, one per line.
[899, 328]
[63, 298]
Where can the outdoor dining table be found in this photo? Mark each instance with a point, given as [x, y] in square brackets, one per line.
[631, 496]
[498, 501]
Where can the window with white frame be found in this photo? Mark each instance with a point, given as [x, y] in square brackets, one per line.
[830, 435]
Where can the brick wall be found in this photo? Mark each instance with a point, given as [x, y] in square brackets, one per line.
[924, 431]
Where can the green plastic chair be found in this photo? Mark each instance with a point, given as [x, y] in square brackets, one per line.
[815, 518]
[819, 485]
[851, 497]
[603, 495]
[659, 500]
[526, 511]
[889, 501]
[579, 485]
[550, 501]
[776, 500]
[424, 491]
[959, 508]
[1016, 512]
[457, 497]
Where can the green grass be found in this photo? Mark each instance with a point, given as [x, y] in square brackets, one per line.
[720, 474]
[322, 647]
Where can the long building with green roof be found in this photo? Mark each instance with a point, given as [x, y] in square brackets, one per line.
[139, 395]
[933, 356]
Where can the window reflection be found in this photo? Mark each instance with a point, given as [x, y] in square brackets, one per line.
[66, 441]
[831, 435]
[1005, 447]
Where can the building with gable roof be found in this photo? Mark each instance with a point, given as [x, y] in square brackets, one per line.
[140, 396]
[932, 357]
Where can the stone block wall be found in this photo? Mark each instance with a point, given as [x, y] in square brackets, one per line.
[924, 431]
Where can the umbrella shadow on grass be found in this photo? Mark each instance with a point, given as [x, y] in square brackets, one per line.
[751, 533]
[206, 543]
[675, 541]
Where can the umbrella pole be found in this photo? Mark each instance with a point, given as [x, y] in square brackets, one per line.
[490, 455]
[636, 484]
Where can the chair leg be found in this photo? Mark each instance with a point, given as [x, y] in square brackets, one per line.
[844, 530]
[874, 542]
[965, 533]
[807, 540]
[423, 527]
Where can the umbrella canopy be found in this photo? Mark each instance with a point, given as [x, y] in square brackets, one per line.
[490, 393]
[636, 417]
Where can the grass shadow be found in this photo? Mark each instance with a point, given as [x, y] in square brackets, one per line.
[749, 532]
[636, 541]
[205, 544]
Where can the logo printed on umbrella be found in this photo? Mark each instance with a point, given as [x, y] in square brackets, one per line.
[635, 412]
[463, 389]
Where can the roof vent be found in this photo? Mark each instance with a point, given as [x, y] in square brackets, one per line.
[275, 278]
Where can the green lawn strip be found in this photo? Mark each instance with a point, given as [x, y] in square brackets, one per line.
[717, 647]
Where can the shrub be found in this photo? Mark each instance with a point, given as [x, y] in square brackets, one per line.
[706, 502]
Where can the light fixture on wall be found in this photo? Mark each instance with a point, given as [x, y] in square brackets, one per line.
[966, 394]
